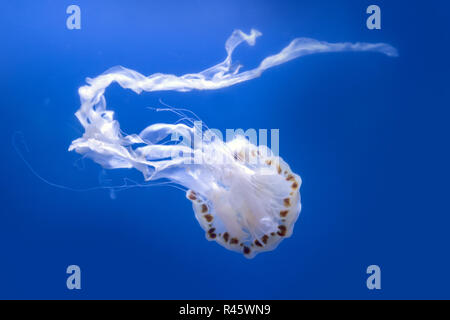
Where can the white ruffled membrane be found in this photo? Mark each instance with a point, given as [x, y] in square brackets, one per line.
[249, 200]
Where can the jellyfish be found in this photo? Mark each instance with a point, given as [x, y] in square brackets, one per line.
[245, 197]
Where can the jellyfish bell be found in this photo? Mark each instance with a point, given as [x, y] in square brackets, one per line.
[244, 197]
[254, 202]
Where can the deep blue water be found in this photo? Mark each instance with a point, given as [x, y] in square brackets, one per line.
[367, 133]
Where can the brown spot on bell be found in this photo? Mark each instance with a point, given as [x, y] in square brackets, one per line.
[284, 213]
[287, 202]
[282, 230]
[192, 196]
[258, 243]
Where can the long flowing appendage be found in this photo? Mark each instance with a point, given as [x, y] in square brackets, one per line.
[103, 141]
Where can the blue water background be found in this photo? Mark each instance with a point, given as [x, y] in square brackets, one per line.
[367, 133]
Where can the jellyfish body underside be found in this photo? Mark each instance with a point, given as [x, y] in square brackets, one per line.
[252, 202]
